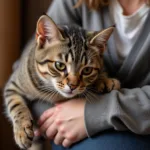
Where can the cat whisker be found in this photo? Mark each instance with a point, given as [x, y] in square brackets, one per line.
[90, 96]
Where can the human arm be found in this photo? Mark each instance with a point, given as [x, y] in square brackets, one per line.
[127, 109]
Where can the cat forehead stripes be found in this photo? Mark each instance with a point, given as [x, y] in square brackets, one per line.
[77, 42]
[70, 57]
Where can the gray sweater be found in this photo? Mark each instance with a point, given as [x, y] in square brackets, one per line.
[129, 108]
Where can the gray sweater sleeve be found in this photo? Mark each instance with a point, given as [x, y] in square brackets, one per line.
[127, 109]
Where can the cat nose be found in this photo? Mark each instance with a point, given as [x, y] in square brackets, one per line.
[72, 87]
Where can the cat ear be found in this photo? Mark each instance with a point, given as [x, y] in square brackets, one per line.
[100, 38]
[47, 30]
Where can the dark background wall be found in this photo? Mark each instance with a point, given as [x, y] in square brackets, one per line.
[31, 11]
[17, 25]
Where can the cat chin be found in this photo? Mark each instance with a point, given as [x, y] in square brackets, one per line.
[67, 95]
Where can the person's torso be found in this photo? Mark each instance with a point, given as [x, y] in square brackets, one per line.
[134, 70]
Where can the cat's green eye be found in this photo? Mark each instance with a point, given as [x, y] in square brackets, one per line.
[60, 66]
[87, 70]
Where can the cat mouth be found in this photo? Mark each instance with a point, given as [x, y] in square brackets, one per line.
[68, 94]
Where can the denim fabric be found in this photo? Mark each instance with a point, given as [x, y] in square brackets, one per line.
[111, 140]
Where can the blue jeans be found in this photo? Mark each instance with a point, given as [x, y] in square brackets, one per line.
[111, 140]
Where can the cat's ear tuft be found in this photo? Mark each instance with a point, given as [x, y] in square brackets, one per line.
[100, 38]
[47, 30]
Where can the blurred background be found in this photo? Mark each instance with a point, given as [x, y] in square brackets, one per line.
[17, 25]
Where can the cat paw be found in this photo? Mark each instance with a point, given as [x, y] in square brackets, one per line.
[108, 85]
[24, 134]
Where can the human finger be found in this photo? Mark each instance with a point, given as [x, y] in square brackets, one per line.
[46, 125]
[66, 143]
[51, 132]
[48, 113]
[59, 138]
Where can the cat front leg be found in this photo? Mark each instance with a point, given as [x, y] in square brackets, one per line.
[23, 130]
[21, 118]
[105, 84]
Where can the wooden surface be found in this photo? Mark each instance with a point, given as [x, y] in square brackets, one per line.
[18, 21]
[9, 36]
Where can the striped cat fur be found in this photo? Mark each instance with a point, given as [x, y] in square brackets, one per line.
[63, 62]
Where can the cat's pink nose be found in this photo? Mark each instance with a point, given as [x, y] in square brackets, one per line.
[72, 87]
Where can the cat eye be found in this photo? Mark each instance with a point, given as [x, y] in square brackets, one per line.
[60, 66]
[87, 70]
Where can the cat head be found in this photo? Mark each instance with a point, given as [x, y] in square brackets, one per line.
[69, 58]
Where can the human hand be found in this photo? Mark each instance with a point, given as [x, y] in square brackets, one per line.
[64, 123]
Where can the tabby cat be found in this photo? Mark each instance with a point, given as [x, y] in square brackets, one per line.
[62, 63]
